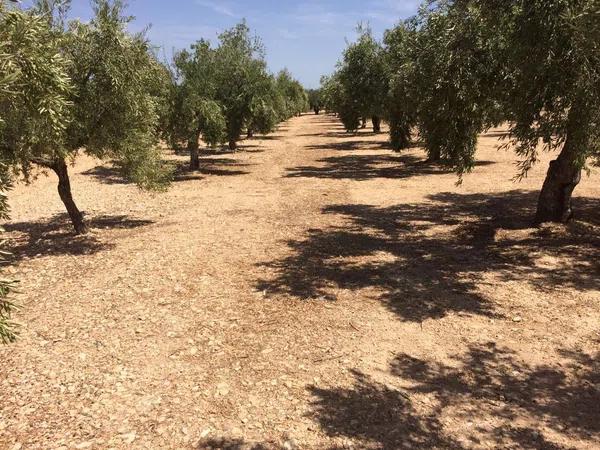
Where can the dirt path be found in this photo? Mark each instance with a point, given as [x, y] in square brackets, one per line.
[314, 289]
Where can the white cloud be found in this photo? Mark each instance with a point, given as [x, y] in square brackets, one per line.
[218, 7]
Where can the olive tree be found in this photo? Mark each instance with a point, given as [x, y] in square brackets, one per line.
[240, 70]
[266, 106]
[315, 100]
[402, 97]
[453, 78]
[93, 91]
[295, 99]
[31, 74]
[363, 77]
[551, 58]
[540, 60]
[8, 330]
[195, 113]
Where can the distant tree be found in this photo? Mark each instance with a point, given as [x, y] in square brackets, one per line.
[453, 76]
[401, 102]
[364, 79]
[240, 71]
[87, 87]
[195, 113]
[315, 101]
[295, 99]
[331, 92]
[266, 107]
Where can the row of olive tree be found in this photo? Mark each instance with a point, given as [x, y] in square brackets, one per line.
[219, 93]
[461, 66]
[72, 87]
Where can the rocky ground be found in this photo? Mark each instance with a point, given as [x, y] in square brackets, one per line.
[313, 290]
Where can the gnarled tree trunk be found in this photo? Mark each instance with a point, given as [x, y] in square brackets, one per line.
[64, 190]
[564, 174]
[376, 124]
[434, 155]
[193, 148]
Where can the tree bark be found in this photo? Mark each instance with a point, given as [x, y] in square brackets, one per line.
[564, 174]
[193, 148]
[64, 190]
[434, 155]
[376, 124]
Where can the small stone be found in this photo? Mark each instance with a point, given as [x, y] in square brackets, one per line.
[290, 445]
[517, 319]
[223, 389]
[128, 438]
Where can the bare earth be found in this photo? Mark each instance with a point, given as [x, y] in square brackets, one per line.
[313, 291]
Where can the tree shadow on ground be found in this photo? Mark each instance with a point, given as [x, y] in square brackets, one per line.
[352, 145]
[426, 260]
[219, 167]
[108, 174]
[366, 167]
[233, 444]
[492, 395]
[55, 236]
[244, 146]
[374, 413]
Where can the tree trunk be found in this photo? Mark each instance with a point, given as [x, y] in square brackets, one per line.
[316, 110]
[250, 132]
[232, 145]
[193, 147]
[376, 124]
[364, 123]
[434, 155]
[64, 190]
[564, 174]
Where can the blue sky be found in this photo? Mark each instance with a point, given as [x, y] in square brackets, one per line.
[306, 36]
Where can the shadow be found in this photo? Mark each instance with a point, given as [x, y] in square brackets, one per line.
[219, 167]
[491, 380]
[496, 134]
[233, 444]
[242, 148]
[268, 137]
[366, 167]
[55, 236]
[107, 174]
[349, 142]
[487, 392]
[374, 413]
[427, 260]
